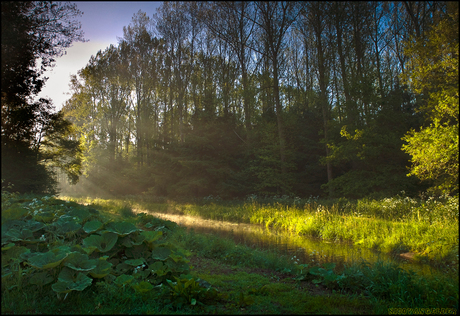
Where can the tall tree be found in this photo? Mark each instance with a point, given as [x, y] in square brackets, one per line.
[233, 22]
[138, 37]
[174, 24]
[433, 72]
[314, 16]
[31, 31]
[274, 21]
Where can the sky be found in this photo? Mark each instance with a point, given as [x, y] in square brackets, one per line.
[102, 22]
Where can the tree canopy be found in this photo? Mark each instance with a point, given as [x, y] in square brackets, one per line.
[433, 73]
[33, 34]
[311, 98]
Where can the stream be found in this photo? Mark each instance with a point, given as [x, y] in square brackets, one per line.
[304, 248]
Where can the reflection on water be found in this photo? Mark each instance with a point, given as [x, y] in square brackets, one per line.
[305, 249]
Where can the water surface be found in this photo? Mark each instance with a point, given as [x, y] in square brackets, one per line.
[301, 249]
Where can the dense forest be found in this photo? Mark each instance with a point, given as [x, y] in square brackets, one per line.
[337, 99]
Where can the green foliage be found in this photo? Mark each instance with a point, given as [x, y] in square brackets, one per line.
[317, 274]
[395, 224]
[79, 247]
[433, 73]
[370, 159]
[21, 167]
[33, 137]
[128, 278]
[398, 287]
[191, 290]
[438, 162]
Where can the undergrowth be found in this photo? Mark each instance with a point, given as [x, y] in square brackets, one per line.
[426, 227]
[61, 257]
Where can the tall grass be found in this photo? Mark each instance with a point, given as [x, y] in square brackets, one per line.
[426, 227]
[400, 288]
[386, 284]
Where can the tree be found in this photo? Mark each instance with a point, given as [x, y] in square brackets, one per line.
[31, 32]
[230, 94]
[139, 43]
[174, 24]
[274, 21]
[432, 71]
[315, 18]
[231, 22]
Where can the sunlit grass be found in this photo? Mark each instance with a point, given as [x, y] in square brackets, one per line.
[383, 285]
[426, 228]
[244, 287]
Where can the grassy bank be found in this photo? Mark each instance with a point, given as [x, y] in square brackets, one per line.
[427, 228]
[155, 267]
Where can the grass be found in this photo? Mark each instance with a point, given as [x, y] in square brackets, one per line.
[427, 228]
[247, 280]
[379, 285]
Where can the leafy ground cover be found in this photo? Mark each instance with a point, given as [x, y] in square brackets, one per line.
[62, 257]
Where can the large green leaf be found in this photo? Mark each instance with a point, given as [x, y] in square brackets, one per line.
[177, 257]
[12, 223]
[25, 235]
[151, 236]
[46, 217]
[121, 228]
[66, 224]
[161, 253]
[8, 246]
[102, 268]
[142, 287]
[137, 239]
[159, 268]
[13, 213]
[70, 280]
[92, 226]
[34, 225]
[131, 240]
[25, 255]
[315, 270]
[123, 268]
[81, 213]
[103, 243]
[89, 250]
[48, 259]
[80, 262]
[123, 279]
[13, 253]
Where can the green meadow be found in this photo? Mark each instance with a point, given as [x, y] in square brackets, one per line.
[109, 258]
[427, 228]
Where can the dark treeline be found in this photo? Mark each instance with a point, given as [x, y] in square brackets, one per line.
[35, 139]
[266, 98]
